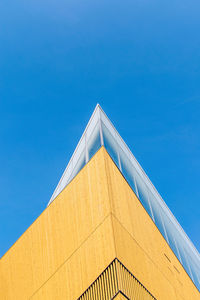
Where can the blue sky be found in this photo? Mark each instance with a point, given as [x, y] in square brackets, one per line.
[139, 59]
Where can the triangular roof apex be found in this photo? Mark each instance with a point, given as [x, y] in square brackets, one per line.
[101, 132]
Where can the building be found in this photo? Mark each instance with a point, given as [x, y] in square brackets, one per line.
[106, 233]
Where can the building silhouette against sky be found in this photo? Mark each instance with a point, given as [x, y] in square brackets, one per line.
[106, 233]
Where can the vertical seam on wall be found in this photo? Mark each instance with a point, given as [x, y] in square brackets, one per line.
[110, 194]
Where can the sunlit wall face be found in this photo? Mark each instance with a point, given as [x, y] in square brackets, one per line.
[100, 132]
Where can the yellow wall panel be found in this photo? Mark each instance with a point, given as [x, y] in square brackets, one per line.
[143, 268]
[120, 297]
[82, 268]
[96, 218]
[58, 232]
[141, 232]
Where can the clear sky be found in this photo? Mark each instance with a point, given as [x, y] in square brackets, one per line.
[139, 59]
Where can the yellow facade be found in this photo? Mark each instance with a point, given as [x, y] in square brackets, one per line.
[120, 297]
[94, 220]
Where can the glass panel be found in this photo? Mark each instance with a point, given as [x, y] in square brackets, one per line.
[158, 215]
[127, 169]
[195, 272]
[65, 178]
[183, 256]
[80, 164]
[143, 194]
[171, 234]
[107, 124]
[92, 123]
[94, 142]
[110, 144]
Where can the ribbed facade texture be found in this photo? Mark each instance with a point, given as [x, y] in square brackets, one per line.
[114, 280]
[105, 234]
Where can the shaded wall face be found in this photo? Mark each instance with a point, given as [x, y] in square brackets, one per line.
[67, 247]
[141, 247]
[95, 219]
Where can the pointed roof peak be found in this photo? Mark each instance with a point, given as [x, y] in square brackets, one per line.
[98, 107]
[100, 132]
